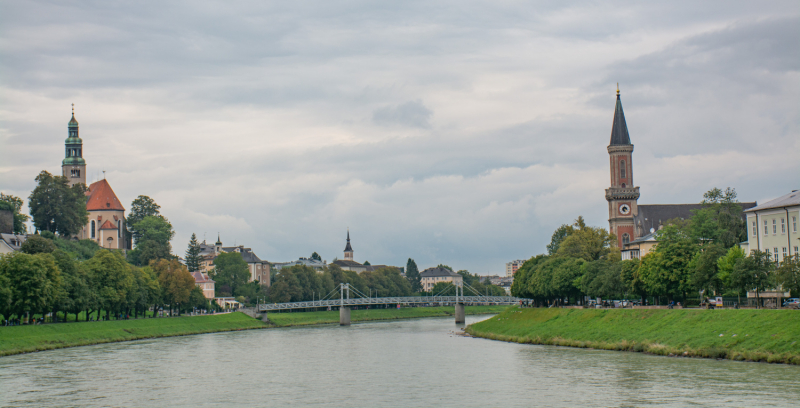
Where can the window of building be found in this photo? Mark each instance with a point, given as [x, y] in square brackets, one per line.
[794, 224]
[783, 226]
[774, 227]
[784, 253]
[622, 169]
[755, 229]
[93, 234]
[626, 238]
[766, 231]
[795, 250]
[119, 228]
[775, 254]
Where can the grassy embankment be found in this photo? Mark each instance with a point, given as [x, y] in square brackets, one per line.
[754, 335]
[29, 338]
[325, 317]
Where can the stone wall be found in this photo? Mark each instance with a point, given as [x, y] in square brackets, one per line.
[6, 222]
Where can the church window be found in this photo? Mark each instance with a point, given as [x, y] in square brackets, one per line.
[622, 169]
[93, 233]
[119, 228]
[626, 238]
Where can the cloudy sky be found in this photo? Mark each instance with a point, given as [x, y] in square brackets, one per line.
[452, 132]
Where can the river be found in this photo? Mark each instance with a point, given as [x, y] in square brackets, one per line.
[420, 362]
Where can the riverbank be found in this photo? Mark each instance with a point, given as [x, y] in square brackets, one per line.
[746, 335]
[30, 338]
[365, 315]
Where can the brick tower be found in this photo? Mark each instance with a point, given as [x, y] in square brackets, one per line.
[622, 196]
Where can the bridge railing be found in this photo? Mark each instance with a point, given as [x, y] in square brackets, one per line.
[403, 300]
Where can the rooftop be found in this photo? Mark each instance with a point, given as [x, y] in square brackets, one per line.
[787, 200]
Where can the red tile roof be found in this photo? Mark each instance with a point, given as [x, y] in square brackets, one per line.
[200, 277]
[108, 225]
[101, 197]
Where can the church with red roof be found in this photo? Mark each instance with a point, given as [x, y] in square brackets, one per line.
[106, 224]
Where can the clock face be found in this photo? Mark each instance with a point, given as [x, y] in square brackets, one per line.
[624, 209]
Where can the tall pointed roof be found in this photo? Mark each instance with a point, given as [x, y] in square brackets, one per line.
[101, 197]
[619, 130]
[348, 248]
[73, 122]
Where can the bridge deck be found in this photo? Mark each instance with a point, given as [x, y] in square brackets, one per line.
[407, 300]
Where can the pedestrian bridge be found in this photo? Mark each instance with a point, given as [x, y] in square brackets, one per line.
[345, 302]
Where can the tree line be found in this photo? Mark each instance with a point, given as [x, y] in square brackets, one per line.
[699, 255]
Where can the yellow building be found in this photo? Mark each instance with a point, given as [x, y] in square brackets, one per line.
[431, 276]
[772, 227]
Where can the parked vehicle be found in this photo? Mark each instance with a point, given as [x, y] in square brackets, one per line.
[792, 303]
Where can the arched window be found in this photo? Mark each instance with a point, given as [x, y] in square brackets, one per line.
[119, 228]
[622, 172]
[626, 238]
[93, 233]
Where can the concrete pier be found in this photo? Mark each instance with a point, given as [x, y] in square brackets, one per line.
[344, 316]
[460, 316]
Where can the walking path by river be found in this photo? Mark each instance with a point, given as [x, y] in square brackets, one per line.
[419, 362]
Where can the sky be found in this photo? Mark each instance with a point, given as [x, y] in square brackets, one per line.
[453, 132]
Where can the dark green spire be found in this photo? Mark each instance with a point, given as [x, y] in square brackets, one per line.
[73, 154]
[619, 130]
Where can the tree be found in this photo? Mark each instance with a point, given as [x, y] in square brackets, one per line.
[175, 280]
[230, 270]
[720, 220]
[33, 280]
[193, 254]
[35, 244]
[197, 299]
[588, 243]
[704, 268]
[726, 264]
[445, 267]
[666, 270]
[57, 207]
[412, 274]
[155, 232]
[788, 274]
[110, 278]
[14, 204]
[143, 206]
[753, 273]
[367, 263]
[558, 237]
[76, 295]
[315, 256]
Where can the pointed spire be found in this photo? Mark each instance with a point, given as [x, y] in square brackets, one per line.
[347, 247]
[72, 121]
[619, 129]
[218, 240]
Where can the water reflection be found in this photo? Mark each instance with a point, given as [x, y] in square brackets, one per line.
[399, 363]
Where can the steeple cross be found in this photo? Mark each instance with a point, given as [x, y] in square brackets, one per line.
[73, 109]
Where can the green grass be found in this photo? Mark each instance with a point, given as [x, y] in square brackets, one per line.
[325, 317]
[29, 338]
[760, 335]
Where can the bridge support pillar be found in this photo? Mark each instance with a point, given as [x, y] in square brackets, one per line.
[460, 317]
[344, 316]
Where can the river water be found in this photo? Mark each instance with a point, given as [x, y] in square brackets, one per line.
[418, 362]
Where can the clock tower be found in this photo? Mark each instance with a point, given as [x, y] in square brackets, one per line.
[622, 195]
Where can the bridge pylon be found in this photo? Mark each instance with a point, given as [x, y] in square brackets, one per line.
[460, 315]
[344, 311]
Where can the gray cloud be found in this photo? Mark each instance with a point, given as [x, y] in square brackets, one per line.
[411, 113]
[281, 124]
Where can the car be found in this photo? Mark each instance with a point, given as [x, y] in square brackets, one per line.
[792, 303]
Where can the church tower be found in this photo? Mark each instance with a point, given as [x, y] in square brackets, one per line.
[622, 196]
[348, 250]
[73, 167]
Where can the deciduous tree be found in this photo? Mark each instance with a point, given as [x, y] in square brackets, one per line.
[175, 280]
[230, 270]
[143, 206]
[57, 207]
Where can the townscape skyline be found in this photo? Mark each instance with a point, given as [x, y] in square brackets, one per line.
[451, 135]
